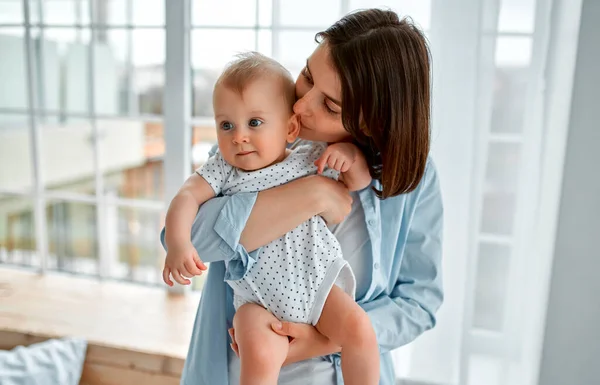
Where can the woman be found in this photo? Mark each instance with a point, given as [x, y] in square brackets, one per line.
[367, 81]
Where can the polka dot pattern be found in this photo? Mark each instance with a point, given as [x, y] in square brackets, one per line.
[293, 274]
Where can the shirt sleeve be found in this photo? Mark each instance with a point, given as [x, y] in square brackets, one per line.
[409, 310]
[218, 226]
[215, 171]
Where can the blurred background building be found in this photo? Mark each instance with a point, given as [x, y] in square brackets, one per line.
[105, 107]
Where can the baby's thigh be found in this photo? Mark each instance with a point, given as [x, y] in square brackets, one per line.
[254, 336]
[343, 320]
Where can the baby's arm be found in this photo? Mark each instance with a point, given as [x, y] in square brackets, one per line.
[349, 161]
[182, 259]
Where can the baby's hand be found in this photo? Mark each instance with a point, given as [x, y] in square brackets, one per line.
[338, 156]
[182, 263]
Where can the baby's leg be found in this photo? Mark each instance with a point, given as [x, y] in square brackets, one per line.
[346, 324]
[262, 351]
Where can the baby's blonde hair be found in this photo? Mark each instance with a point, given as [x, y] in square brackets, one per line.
[250, 66]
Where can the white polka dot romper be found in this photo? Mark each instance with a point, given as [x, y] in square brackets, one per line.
[293, 275]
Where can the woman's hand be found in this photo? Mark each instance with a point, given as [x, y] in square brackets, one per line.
[335, 202]
[305, 342]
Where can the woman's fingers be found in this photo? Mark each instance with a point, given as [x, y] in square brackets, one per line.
[289, 329]
[233, 344]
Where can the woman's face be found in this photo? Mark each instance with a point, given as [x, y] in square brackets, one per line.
[318, 90]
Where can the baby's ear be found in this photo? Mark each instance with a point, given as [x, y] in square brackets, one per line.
[293, 128]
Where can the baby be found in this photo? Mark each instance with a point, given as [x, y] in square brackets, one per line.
[300, 277]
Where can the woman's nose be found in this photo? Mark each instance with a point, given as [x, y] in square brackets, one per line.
[302, 105]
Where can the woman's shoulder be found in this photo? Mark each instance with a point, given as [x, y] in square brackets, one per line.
[429, 184]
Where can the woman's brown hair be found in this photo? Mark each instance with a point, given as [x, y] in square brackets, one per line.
[384, 68]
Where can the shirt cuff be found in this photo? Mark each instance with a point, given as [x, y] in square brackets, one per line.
[229, 226]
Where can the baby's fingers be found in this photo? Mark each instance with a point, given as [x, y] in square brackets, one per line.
[199, 263]
[321, 162]
[191, 268]
[166, 276]
[179, 277]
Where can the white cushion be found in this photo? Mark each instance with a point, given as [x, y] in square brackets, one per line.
[53, 362]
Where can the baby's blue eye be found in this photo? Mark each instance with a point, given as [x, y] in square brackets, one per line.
[226, 126]
[255, 122]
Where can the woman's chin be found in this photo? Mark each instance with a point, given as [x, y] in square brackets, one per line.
[308, 134]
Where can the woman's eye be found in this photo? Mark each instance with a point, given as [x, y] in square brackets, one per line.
[255, 122]
[226, 126]
[329, 109]
[306, 76]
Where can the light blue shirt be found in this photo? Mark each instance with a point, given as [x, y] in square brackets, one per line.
[403, 294]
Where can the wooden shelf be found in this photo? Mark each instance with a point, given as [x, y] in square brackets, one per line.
[136, 334]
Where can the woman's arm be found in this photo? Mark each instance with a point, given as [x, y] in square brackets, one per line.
[410, 308]
[228, 226]
[281, 209]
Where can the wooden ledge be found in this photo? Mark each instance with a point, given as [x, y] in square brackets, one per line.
[135, 334]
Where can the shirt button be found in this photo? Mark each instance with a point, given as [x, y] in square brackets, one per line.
[337, 362]
[371, 222]
[376, 266]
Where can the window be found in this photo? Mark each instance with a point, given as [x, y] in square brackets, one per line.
[106, 107]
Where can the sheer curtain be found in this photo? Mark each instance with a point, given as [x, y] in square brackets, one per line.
[495, 89]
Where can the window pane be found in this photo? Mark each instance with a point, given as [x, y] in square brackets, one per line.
[485, 370]
[148, 61]
[72, 241]
[418, 10]
[129, 71]
[132, 157]
[63, 53]
[502, 171]
[499, 201]
[11, 12]
[517, 16]
[209, 56]
[130, 12]
[265, 13]
[203, 138]
[513, 51]
[313, 13]
[490, 286]
[265, 42]
[510, 99]
[114, 13]
[148, 12]
[65, 12]
[134, 245]
[15, 153]
[68, 156]
[13, 75]
[294, 47]
[239, 13]
[498, 213]
[17, 231]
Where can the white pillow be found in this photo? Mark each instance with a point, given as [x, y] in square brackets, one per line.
[53, 362]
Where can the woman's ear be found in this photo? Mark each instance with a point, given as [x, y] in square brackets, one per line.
[293, 128]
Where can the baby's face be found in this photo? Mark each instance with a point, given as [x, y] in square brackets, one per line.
[253, 128]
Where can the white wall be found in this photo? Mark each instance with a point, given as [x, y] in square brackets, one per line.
[571, 350]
